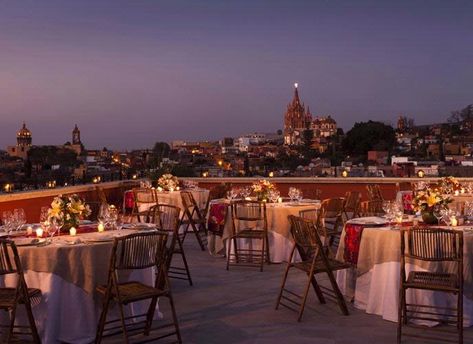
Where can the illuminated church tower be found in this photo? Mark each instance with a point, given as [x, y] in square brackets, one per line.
[76, 142]
[296, 120]
[23, 143]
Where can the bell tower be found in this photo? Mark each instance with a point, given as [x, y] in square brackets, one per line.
[76, 136]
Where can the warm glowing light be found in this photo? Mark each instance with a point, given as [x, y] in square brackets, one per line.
[100, 227]
[73, 231]
[296, 84]
[220, 163]
[420, 174]
[205, 174]
[345, 174]
[271, 174]
[39, 232]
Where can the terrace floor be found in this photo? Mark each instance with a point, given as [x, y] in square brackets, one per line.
[237, 306]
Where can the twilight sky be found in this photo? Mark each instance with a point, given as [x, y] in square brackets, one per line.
[131, 73]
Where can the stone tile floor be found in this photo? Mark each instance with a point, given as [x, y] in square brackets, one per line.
[237, 306]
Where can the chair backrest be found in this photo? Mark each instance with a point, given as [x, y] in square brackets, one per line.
[144, 196]
[166, 217]
[306, 237]
[249, 210]
[352, 202]
[188, 201]
[139, 251]
[371, 208]
[432, 244]
[332, 207]
[309, 214]
[374, 192]
[219, 191]
[8, 258]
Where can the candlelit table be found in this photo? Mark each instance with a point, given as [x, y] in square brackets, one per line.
[374, 283]
[279, 229]
[67, 274]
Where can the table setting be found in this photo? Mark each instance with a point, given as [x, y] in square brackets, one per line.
[372, 246]
[278, 209]
[66, 257]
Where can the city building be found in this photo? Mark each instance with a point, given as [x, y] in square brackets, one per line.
[296, 120]
[23, 143]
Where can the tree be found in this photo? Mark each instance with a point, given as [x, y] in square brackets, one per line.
[307, 137]
[366, 136]
[161, 150]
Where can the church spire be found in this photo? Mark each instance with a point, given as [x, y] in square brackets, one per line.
[296, 99]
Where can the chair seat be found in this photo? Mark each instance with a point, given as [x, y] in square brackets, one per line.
[320, 266]
[7, 297]
[133, 291]
[250, 233]
[432, 281]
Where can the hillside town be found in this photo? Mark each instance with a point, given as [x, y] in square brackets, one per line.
[307, 146]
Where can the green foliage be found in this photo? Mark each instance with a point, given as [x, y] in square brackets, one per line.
[366, 136]
[52, 155]
[161, 150]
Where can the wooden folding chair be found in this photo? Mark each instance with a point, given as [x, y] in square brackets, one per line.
[136, 251]
[438, 246]
[330, 218]
[167, 219]
[194, 217]
[314, 261]
[374, 192]
[10, 298]
[351, 207]
[145, 198]
[372, 208]
[249, 222]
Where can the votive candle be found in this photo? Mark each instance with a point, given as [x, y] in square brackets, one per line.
[160, 189]
[73, 231]
[178, 188]
[29, 230]
[279, 199]
[39, 232]
[100, 227]
[454, 221]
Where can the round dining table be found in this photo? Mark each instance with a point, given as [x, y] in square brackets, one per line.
[279, 228]
[373, 282]
[67, 271]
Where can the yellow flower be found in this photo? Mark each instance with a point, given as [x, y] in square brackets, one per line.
[432, 200]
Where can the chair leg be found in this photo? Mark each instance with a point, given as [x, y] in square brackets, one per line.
[263, 250]
[33, 329]
[174, 317]
[310, 279]
[122, 318]
[283, 284]
[102, 319]
[229, 242]
[340, 299]
[460, 317]
[150, 315]
[267, 249]
[184, 260]
[12, 324]
[197, 235]
[400, 311]
[317, 290]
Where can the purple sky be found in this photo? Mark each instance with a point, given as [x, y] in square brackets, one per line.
[131, 73]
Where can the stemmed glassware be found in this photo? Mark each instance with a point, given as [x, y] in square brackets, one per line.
[7, 218]
[274, 195]
[232, 194]
[104, 216]
[245, 192]
[294, 194]
[439, 214]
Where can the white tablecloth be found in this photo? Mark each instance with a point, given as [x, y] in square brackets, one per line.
[67, 313]
[279, 235]
[377, 290]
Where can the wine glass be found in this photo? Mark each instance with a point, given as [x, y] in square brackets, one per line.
[274, 195]
[386, 206]
[7, 218]
[53, 226]
[112, 216]
[292, 193]
[438, 213]
[20, 218]
[246, 192]
[103, 214]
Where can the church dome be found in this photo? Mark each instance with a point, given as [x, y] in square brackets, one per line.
[24, 132]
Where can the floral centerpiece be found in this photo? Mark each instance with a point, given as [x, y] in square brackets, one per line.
[427, 200]
[68, 210]
[262, 188]
[168, 182]
[450, 185]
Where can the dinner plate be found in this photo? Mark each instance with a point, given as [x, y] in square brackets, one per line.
[139, 226]
[29, 241]
[371, 220]
[99, 239]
